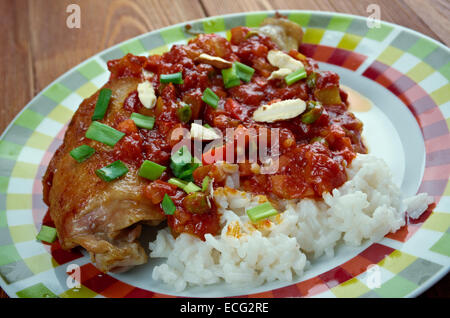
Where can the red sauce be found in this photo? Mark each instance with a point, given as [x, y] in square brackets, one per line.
[308, 166]
[183, 221]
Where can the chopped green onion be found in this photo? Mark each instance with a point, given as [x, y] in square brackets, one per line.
[112, 171]
[104, 134]
[210, 98]
[244, 72]
[313, 112]
[184, 113]
[295, 76]
[186, 186]
[143, 121]
[181, 157]
[176, 78]
[178, 182]
[207, 126]
[262, 211]
[151, 170]
[47, 234]
[205, 183]
[182, 165]
[82, 153]
[230, 77]
[191, 187]
[102, 104]
[187, 173]
[167, 205]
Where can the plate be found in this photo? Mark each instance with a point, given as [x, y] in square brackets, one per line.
[404, 73]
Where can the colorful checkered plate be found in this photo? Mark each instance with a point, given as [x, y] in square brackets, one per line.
[406, 76]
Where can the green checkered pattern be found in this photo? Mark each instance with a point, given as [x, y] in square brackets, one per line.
[421, 60]
[22, 149]
[400, 274]
[440, 222]
[26, 267]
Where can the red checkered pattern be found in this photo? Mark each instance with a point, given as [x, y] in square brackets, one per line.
[434, 129]
[108, 286]
[332, 55]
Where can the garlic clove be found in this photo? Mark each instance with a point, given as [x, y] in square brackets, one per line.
[286, 109]
[203, 133]
[282, 60]
[146, 94]
[215, 61]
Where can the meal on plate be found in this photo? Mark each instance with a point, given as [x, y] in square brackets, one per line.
[243, 147]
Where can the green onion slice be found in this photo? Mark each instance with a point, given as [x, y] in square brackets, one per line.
[82, 153]
[295, 76]
[230, 77]
[313, 112]
[205, 183]
[182, 165]
[261, 212]
[210, 98]
[181, 157]
[104, 134]
[187, 173]
[102, 104]
[244, 72]
[189, 187]
[178, 182]
[176, 78]
[207, 126]
[151, 170]
[47, 234]
[112, 171]
[184, 113]
[192, 187]
[167, 205]
[143, 121]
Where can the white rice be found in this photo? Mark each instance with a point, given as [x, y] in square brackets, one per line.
[367, 207]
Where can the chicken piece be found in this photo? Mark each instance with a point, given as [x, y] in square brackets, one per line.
[103, 217]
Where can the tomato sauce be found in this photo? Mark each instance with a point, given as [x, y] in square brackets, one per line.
[312, 156]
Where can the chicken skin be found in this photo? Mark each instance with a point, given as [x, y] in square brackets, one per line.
[103, 217]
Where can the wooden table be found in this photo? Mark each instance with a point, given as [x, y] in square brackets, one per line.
[37, 46]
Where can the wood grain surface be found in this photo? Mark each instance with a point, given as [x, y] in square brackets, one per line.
[38, 47]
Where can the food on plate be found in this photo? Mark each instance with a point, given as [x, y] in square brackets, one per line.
[90, 207]
[171, 138]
